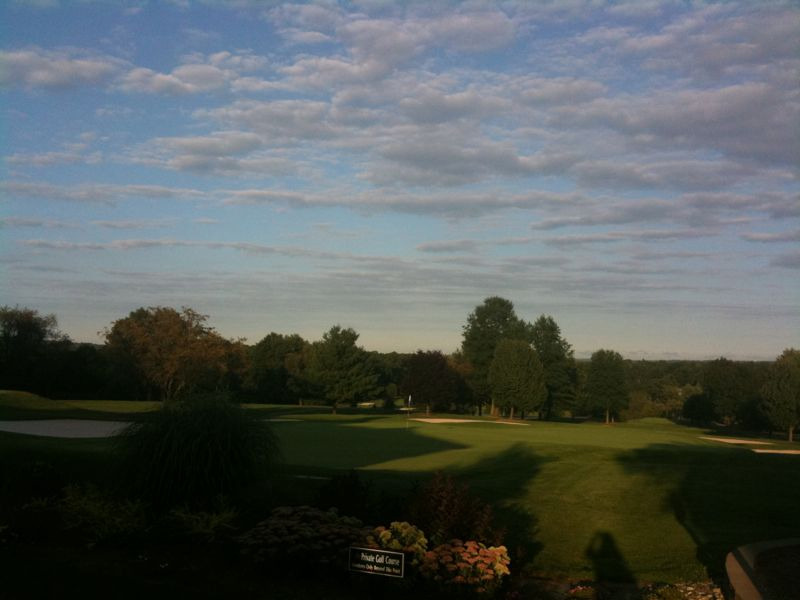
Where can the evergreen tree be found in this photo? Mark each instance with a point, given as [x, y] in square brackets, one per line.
[516, 377]
[341, 370]
[560, 372]
[490, 322]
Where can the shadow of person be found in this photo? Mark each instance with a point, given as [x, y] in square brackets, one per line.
[613, 577]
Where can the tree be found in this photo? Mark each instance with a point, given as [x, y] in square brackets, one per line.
[276, 364]
[516, 377]
[463, 369]
[431, 381]
[698, 409]
[560, 372]
[782, 392]
[490, 322]
[171, 353]
[340, 369]
[606, 389]
[28, 341]
[725, 384]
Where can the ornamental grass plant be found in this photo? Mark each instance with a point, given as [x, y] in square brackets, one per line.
[193, 452]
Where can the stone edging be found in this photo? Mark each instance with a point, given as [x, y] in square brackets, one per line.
[741, 563]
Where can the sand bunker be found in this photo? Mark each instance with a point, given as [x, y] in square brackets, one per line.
[65, 428]
[764, 451]
[736, 441]
[441, 420]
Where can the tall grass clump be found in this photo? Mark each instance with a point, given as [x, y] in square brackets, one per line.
[194, 451]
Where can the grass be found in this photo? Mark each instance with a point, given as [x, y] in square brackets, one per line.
[17, 406]
[635, 502]
[647, 498]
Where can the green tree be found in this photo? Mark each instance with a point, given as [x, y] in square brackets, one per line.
[606, 388]
[28, 341]
[431, 381]
[516, 377]
[341, 370]
[172, 353]
[725, 383]
[560, 372]
[490, 322]
[782, 392]
[276, 365]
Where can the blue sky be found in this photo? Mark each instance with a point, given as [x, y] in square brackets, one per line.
[630, 168]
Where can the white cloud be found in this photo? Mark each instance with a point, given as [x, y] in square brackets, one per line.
[280, 120]
[55, 69]
[650, 235]
[787, 261]
[449, 246]
[93, 193]
[135, 224]
[198, 74]
[773, 237]
[557, 90]
[751, 120]
[183, 80]
[223, 152]
[36, 222]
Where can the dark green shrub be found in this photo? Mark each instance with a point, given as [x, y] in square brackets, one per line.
[445, 509]
[302, 535]
[98, 516]
[192, 452]
[348, 492]
[208, 526]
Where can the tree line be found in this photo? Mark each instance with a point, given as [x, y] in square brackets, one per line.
[505, 366]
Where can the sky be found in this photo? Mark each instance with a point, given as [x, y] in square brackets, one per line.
[630, 168]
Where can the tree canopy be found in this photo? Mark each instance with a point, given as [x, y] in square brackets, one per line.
[516, 377]
[725, 384]
[28, 341]
[172, 353]
[276, 368]
[490, 322]
[340, 369]
[560, 373]
[431, 381]
[782, 392]
[606, 389]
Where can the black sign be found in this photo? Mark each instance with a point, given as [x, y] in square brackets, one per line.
[377, 562]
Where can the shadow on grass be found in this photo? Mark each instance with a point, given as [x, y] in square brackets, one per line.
[607, 561]
[503, 480]
[333, 444]
[724, 497]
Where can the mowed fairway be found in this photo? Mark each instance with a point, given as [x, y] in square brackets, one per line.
[646, 501]
[643, 501]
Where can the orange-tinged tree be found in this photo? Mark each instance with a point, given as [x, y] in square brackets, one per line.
[173, 353]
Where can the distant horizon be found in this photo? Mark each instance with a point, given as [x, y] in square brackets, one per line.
[629, 168]
[580, 354]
